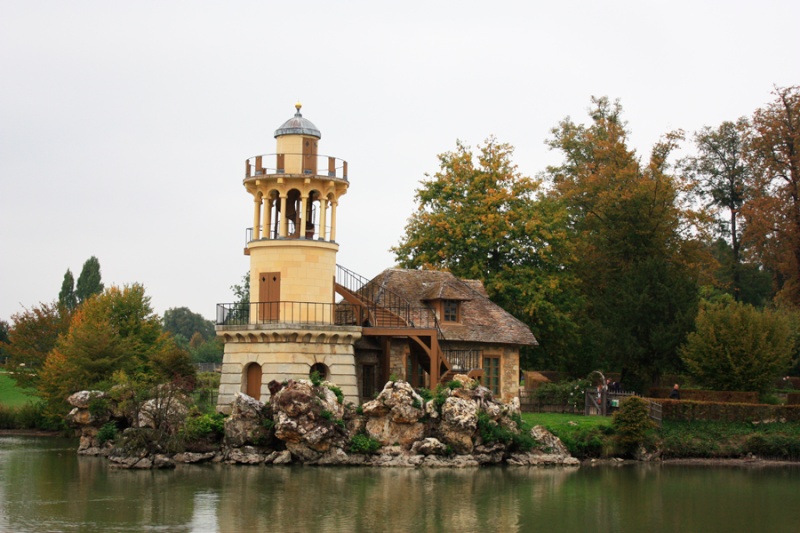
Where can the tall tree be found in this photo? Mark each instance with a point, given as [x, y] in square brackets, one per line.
[479, 218]
[722, 176]
[182, 321]
[89, 281]
[67, 297]
[774, 214]
[32, 335]
[629, 227]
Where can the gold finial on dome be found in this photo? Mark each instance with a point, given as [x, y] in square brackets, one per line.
[298, 105]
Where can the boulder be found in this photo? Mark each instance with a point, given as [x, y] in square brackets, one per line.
[459, 422]
[309, 418]
[246, 424]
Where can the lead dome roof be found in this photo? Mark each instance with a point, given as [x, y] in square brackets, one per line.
[297, 125]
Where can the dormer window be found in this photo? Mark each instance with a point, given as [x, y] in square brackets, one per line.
[450, 310]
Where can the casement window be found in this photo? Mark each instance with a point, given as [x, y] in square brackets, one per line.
[450, 311]
[491, 373]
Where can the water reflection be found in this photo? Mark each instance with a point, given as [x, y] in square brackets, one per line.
[44, 486]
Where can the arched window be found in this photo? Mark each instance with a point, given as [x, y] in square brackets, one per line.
[321, 369]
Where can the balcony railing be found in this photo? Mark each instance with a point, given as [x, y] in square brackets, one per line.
[238, 314]
[288, 163]
[338, 314]
[464, 360]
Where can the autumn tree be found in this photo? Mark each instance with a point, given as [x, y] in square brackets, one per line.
[722, 176]
[31, 336]
[116, 331]
[637, 268]
[89, 281]
[67, 297]
[738, 347]
[479, 218]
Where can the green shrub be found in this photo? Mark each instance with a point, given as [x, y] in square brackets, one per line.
[587, 441]
[316, 378]
[775, 446]
[107, 433]
[363, 443]
[454, 384]
[425, 394]
[326, 415]
[338, 392]
[633, 425]
[98, 406]
[204, 426]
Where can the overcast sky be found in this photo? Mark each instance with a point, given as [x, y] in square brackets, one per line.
[124, 126]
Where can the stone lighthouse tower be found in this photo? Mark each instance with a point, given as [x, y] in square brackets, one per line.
[289, 328]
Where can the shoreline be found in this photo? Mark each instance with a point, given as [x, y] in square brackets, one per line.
[30, 433]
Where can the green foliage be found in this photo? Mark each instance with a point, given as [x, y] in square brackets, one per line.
[738, 347]
[32, 335]
[326, 415]
[491, 432]
[363, 443]
[316, 378]
[27, 416]
[479, 218]
[204, 426]
[425, 394]
[569, 394]
[338, 392]
[182, 321]
[633, 425]
[89, 281]
[454, 384]
[67, 297]
[98, 406]
[638, 267]
[107, 433]
[111, 332]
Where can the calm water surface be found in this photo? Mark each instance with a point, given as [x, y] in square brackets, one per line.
[45, 486]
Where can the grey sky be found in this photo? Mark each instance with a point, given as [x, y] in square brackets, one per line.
[124, 126]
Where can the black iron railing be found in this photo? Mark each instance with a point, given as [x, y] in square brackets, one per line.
[237, 314]
[464, 360]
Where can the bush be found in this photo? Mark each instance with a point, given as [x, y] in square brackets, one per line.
[107, 433]
[362, 443]
[204, 426]
[633, 425]
[737, 347]
[587, 442]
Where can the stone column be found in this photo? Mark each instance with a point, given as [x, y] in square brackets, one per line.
[334, 203]
[323, 217]
[284, 221]
[257, 216]
[303, 216]
[265, 217]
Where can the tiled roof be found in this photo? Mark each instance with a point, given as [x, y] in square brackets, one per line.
[481, 319]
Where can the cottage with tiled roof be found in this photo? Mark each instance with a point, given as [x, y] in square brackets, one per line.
[474, 335]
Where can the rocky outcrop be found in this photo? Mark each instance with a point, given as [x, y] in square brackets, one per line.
[458, 427]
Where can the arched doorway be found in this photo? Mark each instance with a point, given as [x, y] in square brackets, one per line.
[253, 381]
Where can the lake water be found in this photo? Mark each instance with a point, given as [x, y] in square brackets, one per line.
[45, 486]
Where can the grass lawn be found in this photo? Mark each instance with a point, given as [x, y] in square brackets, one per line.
[11, 395]
[565, 423]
